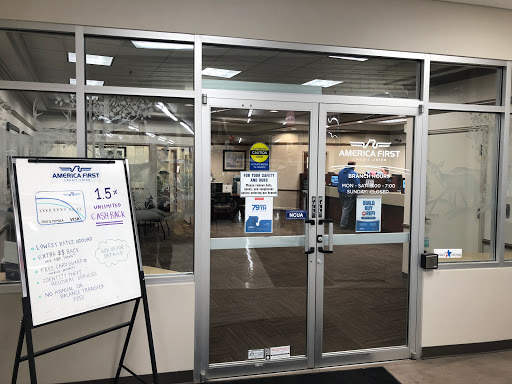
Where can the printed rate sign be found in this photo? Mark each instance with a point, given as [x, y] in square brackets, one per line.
[258, 214]
[78, 237]
[368, 214]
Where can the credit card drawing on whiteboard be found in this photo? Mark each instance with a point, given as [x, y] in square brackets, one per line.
[60, 207]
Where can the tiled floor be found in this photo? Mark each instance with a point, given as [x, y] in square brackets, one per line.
[487, 368]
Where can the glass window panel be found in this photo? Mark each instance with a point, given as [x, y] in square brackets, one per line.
[365, 297]
[460, 183]
[160, 151]
[463, 84]
[258, 299]
[31, 124]
[368, 156]
[271, 70]
[36, 56]
[155, 64]
[508, 217]
[286, 133]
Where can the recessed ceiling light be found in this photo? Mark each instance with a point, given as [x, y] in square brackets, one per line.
[92, 59]
[89, 82]
[322, 83]
[393, 121]
[349, 58]
[218, 72]
[160, 45]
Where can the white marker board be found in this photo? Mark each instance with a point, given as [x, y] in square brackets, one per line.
[78, 236]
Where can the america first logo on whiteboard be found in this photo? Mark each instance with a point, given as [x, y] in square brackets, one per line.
[75, 173]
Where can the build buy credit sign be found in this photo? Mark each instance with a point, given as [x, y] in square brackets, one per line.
[368, 214]
[260, 157]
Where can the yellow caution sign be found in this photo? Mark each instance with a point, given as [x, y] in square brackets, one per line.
[260, 156]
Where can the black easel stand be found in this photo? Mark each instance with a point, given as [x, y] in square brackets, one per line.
[26, 331]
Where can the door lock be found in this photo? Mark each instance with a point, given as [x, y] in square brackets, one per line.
[319, 261]
[319, 239]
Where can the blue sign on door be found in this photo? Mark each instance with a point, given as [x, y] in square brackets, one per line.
[296, 215]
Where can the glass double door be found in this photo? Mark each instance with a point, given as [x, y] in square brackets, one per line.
[309, 235]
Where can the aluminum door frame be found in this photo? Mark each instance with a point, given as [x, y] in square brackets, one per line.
[394, 352]
[203, 369]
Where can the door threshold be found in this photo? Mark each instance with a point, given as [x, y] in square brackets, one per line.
[308, 370]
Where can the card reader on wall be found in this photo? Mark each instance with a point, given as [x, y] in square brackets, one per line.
[429, 260]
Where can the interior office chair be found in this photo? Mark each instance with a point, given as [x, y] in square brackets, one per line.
[222, 203]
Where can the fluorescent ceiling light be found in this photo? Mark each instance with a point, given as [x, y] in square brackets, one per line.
[186, 127]
[322, 83]
[393, 121]
[273, 111]
[150, 134]
[161, 138]
[89, 82]
[248, 120]
[250, 113]
[218, 72]
[164, 109]
[349, 58]
[278, 140]
[107, 120]
[160, 45]
[239, 140]
[109, 135]
[92, 59]
[133, 127]
[171, 142]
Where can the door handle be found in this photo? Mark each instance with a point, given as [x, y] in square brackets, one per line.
[331, 236]
[307, 249]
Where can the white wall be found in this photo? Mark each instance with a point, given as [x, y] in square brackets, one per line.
[466, 306]
[404, 25]
[172, 320]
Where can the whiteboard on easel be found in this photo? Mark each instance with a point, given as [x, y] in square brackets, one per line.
[77, 232]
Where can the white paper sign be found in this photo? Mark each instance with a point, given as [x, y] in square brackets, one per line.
[449, 253]
[254, 354]
[258, 184]
[276, 353]
[258, 214]
[78, 236]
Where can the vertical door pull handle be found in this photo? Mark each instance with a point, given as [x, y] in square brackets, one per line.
[330, 249]
[307, 249]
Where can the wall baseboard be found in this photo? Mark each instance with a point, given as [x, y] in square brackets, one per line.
[170, 377]
[465, 349]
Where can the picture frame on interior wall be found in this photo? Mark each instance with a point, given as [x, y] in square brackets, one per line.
[233, 160]
[110, 152]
